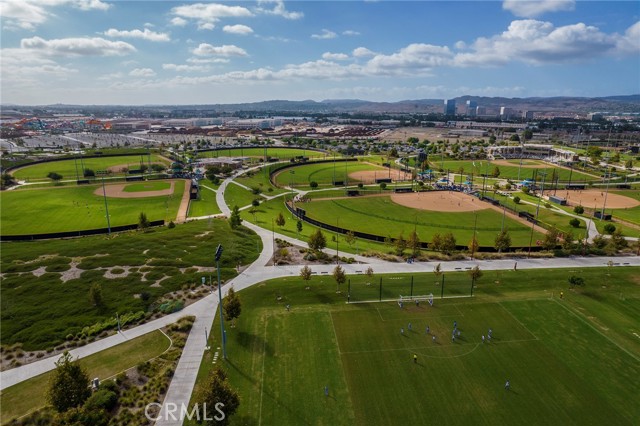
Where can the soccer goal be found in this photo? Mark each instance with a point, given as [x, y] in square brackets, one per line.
[416, 299]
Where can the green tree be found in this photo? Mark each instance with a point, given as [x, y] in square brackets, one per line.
[232, 305]
[436, 242]
[550, 240]
[313, 184]
[56, 177]
[575, 222]
[400, 244]
[413, 243]
[339, 276]
[448, 243]
[95, 295]
[369, 273]
[235, 220]
[89, 173]
[516, 199]
[317, 240]
[578, 209]
[628, 164]
[609, 228]
[473, 245]
[255, 202]
[299, 227]
[143, 222]
[383, 186]
[617, 240]
[475, 273]
[437, 271]
[350, 238]
[305, 273]
[68, 385]
[217, 392]
[7, 180]
[575, 280]
[280, 221]
[503, 241]
[496, 172]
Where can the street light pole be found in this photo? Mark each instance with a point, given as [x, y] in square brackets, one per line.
[106, 206]
[223, 335]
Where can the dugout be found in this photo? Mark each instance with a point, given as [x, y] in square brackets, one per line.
[402, 190]
[133, 178]
[575, 186]
[623, 186]
[338, 183]
[599, 215]
[558, 200]
[353, 193]
[82, 182]
[383, 180]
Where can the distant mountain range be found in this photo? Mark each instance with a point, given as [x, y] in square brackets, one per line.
[610, 104]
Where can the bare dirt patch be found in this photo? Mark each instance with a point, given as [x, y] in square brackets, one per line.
[117, 191]
[440, 201]
[594, 199]
[370, 176]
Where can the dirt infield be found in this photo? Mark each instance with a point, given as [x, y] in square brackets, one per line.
[440, 201]
[451, 201]
[594, 199]
[370, 176]
[117, 191]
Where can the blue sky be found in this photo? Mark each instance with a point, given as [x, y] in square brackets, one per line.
[166, 52]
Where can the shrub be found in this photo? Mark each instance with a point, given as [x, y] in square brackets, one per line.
[313, 184]
[578, 209]
[102, 399]
[516, 199]
[574, 222]
[609, 228]
[171, 225]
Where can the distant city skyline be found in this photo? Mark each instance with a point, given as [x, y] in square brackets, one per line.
[100, 52]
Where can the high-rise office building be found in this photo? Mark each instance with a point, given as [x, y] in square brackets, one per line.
[471, 108]
[449, 107]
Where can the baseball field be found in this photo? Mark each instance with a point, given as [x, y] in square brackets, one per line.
[348, 172]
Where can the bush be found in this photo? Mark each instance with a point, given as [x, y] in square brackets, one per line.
[574, 222]
[102, 399]
[516, 199]
[578, 209]
[313, 184]
[171, 225]
[609, 228]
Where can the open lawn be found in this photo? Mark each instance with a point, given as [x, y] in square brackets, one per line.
[573, 360]
[29, 395]
[206, 205]
[45, 285]
[381, 216]
[511, 172]
[67, 168]
[631, 214]
[324, 174]
[235, 195]
[76, 208]
[259, 179]
[277, 152]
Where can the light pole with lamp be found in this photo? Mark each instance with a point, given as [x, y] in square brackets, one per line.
[223, 335]
[106, 206]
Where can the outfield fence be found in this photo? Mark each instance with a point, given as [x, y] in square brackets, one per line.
[71, 234]
[364, 288]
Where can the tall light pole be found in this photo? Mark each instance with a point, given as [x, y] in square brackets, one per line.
[106, 206]
[533, 223]
[223, 335]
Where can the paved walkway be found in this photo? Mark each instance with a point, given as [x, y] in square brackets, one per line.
[183, 382]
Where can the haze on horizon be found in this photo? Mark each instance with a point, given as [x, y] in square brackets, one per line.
[103, 52]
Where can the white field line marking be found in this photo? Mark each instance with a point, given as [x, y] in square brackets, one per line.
[596, 330]
[518, 321]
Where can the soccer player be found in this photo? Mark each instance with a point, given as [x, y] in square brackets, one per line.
[458, 333]
[409, 327]
[433, 338]
[426, 331]
[507, 385]
[288, 308]
[326, 391]
[483, 338]
[455, 325]
[402, 331]
[415, 358]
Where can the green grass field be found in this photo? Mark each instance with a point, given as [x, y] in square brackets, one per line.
[511, 172]
[147, 186]
[67, 168]
[236, 195]
[630, 214]
[569, 361]
[206, 205]
[379, 215]
[78, 208]
[324, 173]
[29, 395]
[278, 152]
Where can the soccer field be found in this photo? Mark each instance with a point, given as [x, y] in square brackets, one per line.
[324, 174]
[569, 361]
[528, 171]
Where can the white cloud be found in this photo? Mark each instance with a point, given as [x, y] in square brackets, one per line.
[206, 26]
[179, 22]
[185, 68]
[414, 58]
[207, 14]
[350, 33]
[237, 29]
[205, 49]
[326, 34]
[28, 14]
[76, 47]
[335, 56]
[208, 60]
[361, 52]
[145, 34]
[629, 43]
[531, 9]
[142, 72]
[111, 76]
[538, 42]
[278, 9]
